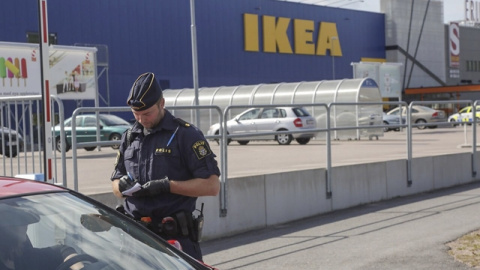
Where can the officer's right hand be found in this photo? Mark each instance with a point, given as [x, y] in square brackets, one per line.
[154, 187]
[125, 183]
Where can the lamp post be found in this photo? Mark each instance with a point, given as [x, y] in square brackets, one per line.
[194, 59]
[333, 56]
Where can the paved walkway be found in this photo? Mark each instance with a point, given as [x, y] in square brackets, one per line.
[404, 233]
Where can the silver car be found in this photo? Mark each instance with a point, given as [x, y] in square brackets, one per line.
[421, 115]
[391, 119]
[261, 120]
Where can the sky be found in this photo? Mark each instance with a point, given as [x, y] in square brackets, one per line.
[453, 9]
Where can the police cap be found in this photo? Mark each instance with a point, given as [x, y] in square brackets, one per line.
[145, 92]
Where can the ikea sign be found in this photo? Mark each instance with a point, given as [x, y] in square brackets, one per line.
[274, 36]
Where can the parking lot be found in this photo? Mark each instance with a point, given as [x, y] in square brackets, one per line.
[95, 167]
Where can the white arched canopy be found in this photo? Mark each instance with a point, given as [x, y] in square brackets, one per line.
[337, 91]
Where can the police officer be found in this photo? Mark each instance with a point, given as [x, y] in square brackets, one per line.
[170, 160]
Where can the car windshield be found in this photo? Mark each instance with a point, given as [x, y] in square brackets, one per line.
[300, 112]
[112, 120]
[100, 232]
[464, 110]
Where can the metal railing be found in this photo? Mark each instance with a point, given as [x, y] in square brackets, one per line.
[75, 145]
[10, 116]
[16, 115]
[224, 137]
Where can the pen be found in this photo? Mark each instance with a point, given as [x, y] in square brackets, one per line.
[173, 135]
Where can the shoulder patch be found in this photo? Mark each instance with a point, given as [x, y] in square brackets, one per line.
[182, 122]
[201, 149]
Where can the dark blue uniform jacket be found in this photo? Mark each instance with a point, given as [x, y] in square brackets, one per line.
[175, 149]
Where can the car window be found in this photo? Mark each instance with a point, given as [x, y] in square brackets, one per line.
[90, 122]
[269, 113]
[112, 120]
[250, 115]
[276, 113]
[300, 112]
[78, 121]
[425, 108]
[282, 113]
[68, 123]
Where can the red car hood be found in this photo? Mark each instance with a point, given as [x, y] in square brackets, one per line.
[15, 186]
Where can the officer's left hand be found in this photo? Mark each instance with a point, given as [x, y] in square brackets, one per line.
[154, 187]
[125, 183]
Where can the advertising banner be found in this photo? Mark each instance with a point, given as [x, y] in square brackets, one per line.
[389, 80]
[454, 44]
[19, 69]
[72, 71]
[472, 11]
[386, 75]
[365, 70]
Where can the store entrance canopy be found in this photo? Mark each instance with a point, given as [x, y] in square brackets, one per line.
[348, 90]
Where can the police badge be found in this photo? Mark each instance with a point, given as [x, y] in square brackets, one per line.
[201, 149]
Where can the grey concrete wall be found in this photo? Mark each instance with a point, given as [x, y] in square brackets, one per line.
[266, 200]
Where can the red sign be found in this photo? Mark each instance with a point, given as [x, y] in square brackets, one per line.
[454, 43]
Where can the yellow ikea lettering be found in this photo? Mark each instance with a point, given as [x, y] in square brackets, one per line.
[250, 34]
[303, 35]
[275, 36]
[328, 39]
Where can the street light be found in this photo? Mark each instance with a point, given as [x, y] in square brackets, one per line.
[333, 56]
[333, 74]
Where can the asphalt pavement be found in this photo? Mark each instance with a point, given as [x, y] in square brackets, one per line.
[403, 233]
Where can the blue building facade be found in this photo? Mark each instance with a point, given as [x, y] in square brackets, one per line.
[238, 42]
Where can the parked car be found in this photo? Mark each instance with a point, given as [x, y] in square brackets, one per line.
[111, 129]
[392, 119]
[421, 115]
[40, 218]
[10, 138]
[257, 120]
[465, 115]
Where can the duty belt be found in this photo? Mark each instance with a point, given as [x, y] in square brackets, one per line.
[179, 224]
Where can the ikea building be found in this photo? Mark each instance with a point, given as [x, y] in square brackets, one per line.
[249, 42]
[237, 42]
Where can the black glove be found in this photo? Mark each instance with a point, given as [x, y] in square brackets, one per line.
[125, 183]
[154, 187]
